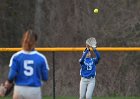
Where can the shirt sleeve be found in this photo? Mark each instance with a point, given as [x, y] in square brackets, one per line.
[97, 58]
[13, 68]
[84, 55]
[45, 69]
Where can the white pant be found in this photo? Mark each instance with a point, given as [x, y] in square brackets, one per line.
[25, 92]
[87, 87]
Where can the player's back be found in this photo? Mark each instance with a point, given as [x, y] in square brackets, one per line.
[29, 67]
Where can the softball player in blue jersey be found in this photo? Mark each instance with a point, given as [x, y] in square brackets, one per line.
[28, 68]
[88, 72]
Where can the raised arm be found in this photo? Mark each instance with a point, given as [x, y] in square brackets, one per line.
[84, 55]
[97, 58]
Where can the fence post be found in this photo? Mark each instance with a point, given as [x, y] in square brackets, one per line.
[53, 75]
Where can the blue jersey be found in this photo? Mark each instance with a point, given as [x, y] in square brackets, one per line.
[28, 68]
[88, 65]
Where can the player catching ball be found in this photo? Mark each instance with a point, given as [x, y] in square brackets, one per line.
[28, 68]
[88, 69]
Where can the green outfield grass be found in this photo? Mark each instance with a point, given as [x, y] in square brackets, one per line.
[77, 97]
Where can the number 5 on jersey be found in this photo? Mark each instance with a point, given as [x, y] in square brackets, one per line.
[28, 67]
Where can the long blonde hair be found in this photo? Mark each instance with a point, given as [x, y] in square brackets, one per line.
[29, 40]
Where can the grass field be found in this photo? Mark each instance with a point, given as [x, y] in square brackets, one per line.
[77, 97]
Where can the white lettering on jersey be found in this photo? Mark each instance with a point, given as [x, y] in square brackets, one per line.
[89, 65]
[27, 66]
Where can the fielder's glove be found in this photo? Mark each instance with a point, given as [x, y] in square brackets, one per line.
[5, 90]
[2, 90]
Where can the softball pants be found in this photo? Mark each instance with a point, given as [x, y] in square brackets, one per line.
[25, 92]
[87, 87]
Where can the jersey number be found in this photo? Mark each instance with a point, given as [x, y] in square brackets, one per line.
[89, 67]
[28, 68]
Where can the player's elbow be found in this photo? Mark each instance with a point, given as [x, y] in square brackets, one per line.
[81, 61]
[45, 75]
[12, 74]
[99, 58]
[45, 78]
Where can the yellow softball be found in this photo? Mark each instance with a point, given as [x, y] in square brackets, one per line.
[96, 10]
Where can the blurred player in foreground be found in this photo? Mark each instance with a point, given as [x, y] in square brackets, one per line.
[28, 68]
[88, 72]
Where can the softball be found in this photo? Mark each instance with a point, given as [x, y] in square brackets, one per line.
[96, 10]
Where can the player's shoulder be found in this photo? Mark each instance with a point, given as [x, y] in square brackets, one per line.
[41, 55]
[17, 53]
